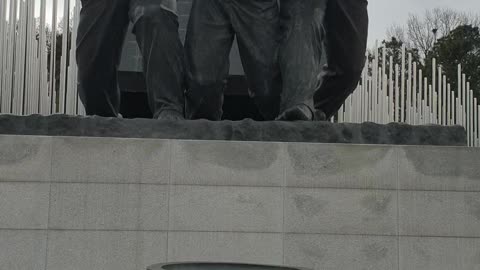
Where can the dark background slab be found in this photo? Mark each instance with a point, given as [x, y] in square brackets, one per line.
[246, 130]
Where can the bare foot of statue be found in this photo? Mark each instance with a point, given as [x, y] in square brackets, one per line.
[171, 115]
[298, 113]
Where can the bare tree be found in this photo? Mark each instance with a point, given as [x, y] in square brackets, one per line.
[422, 31]
[399, 33]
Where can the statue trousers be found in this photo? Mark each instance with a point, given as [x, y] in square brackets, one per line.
[101, 33]
[322, 51]
[212, 27]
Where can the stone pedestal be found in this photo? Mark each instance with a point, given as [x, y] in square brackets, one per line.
[110, 203]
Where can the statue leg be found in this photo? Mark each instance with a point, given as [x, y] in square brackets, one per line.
[256, 25]
[207, 48]
[101, 33]
[300, 56]
[346, 26]
[156, 31]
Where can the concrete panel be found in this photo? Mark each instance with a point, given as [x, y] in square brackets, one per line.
[228, 163]
[111, 160]
[439, 253]
[341, 166]
[22, 249]
[24, 205]
[108, 207]
[77, 250]
[332, 252]
[260, 248]
[439, 168]
[242, 209]
[434, 213]
[340, 211]
[25, 158]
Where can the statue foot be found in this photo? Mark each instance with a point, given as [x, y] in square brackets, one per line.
[298, 113]
[320, 116]
[170, 115]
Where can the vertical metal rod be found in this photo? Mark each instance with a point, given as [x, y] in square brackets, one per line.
[439, 104]
[397, 95]
[448, 115]
[402, 91]
[409, 89]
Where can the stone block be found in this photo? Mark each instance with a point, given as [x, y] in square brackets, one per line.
[119, 250]
[257, 248]
[439, 168]
[336, 211]
[22, 249]
[341, 166]
[240, 209]
[24, 205]
[435, 213]
[228, 163]
[109, 160]
[439, 253]
[109, 207]
[25, 158]
[245, 130]
[346, 252]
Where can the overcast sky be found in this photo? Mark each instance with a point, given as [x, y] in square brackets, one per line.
[384, 13]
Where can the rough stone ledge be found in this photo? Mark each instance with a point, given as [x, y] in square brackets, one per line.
[246, 130]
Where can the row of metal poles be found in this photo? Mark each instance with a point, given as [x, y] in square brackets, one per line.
[32, 81]
[403, 94]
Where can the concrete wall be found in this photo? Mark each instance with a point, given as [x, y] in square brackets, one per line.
[123, 204]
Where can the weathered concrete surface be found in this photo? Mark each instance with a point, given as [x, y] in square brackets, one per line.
[247, 130]
[122, 204]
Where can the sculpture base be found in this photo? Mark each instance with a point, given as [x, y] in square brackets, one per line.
[246, 130]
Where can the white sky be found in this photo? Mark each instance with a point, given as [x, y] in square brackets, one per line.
[384, 13]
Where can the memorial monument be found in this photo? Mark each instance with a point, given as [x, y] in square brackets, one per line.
[105, 192]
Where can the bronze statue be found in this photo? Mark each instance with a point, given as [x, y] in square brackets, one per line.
[101, 33]
[211, 30]
[311, 91]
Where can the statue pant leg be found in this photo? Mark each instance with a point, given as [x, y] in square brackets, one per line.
[301, 50]
[346, 25]
[101, 33]
[256, 24]
[156, 31]
[207, 46]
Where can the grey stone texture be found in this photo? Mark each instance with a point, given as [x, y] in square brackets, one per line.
[119, 250]
[228, 163]
[213, 208]
[439, 168]
[341, 166]
[246, 130]
[336, 211]
[435, 213]
[332, 252]
[24, 205]
[104, 203]
[439, 253]
[23, 249]
[25, 158]
[261, 248]
[109, 207]
[107, 160]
